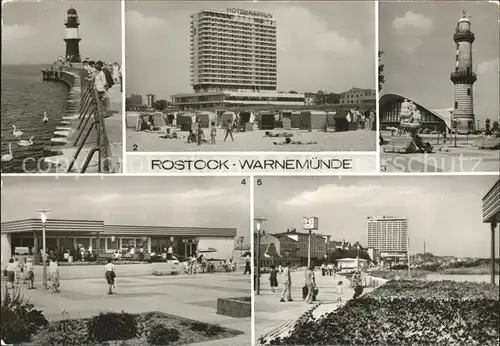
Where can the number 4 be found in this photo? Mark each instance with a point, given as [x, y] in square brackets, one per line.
[243, 182]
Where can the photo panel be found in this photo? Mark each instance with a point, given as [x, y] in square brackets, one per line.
[376, 260]
[250, 76]
[62, 109]
[129, 260]
[438, 73]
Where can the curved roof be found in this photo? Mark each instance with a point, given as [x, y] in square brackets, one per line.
[71, 11]
[443, 114]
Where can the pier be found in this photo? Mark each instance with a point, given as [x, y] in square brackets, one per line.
[88, 138]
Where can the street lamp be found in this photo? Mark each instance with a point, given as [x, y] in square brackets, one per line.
[44, 213]
[241, 246]
[260, 232]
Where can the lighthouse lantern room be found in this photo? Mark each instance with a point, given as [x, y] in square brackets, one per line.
[72, 37]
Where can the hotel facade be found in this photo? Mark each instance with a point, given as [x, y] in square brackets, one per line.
[233, 61]
[388, 235]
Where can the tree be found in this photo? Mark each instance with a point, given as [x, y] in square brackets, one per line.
[160, 104]
[381, 78]
[320, 98]
[292, 92]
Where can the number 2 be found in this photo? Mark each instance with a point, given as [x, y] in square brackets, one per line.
[134, 147]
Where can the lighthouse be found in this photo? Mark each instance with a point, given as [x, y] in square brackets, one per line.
[71, 36]
[463, 78]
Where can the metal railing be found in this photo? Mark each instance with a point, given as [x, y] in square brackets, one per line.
[91, 107]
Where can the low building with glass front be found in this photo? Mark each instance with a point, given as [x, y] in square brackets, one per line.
[213, 100]
[108, 239]
[432, 119]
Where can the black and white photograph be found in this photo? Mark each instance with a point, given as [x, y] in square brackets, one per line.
[377, 260]
[126, 260]
[250, 76]
[62, 108]
[439, 100]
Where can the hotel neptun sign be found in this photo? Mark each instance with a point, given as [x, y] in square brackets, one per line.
[250, 13]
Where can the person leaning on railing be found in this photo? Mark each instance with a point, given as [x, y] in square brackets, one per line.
[101, 86]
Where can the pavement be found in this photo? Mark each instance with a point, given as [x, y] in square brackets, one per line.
[464, 157]
[271, 315]
[360, 140]
[188, 296]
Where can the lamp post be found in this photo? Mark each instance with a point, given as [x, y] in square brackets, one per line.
[260, 232]
[408, 252]
[241, 246]
[44, 213]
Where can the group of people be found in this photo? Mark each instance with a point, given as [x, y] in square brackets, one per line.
[197, 135]
[310, 289]
[17, 271]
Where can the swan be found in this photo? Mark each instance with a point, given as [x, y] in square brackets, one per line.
[45, 118]
[17, 133]
[8, 157]
[25, 143]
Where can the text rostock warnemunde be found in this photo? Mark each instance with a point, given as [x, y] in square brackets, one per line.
[252, 165]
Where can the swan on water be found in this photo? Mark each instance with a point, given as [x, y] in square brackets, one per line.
[45, 118]
[17, 133]
[25, 143]
[8, 157]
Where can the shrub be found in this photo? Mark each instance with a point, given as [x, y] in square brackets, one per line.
[19, 320]
[159, 334]
[199, 326]
[70, 332]
[214, 330]
[112, 326]
[207, 329]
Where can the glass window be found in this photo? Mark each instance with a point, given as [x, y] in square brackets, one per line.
[85, 242]
[112, 245]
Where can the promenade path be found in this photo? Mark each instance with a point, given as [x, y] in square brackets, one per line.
[361, 140]
[193, 297]
[271, 314]
[465, 157]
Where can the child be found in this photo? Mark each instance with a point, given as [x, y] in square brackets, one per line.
[339, 291]
[273, 278]
[213, 132]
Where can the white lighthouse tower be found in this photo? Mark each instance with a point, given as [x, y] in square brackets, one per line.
[71, 37]
[463, 78]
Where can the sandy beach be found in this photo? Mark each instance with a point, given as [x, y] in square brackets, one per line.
[361, 140]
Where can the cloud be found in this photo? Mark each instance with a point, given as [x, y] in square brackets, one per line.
[489, 66]
[198, 194]
[411, 29]
[17, 32]
[331, 193]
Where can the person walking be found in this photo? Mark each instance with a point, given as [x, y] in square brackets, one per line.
[273, 278]
[11, 272]
[30, 273]
[310, 283]
[358, 285]
[110, 275]
[247, 265]
[287, 284]
[54, 275]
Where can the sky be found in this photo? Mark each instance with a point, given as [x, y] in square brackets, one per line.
[443, 211]
[327, 46]
[147, 201]
[419, 52]
[33, 32]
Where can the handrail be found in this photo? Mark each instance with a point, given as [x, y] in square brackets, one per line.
[92, 107]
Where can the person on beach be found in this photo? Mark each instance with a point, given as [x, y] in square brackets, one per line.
[191, 137]
[310, 283]
[273, 278]
[110, 275]
[116, 73]
[200, 134]
[287, 284]
[11, 272]
[229, 130]
[213, 132]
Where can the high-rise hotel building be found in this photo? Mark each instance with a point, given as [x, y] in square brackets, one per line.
[234, 61]
[388, 235]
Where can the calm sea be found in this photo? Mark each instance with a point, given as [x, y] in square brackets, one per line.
[25, 96]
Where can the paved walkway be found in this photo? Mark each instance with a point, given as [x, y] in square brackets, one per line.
[270, 313]
[192, 297]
